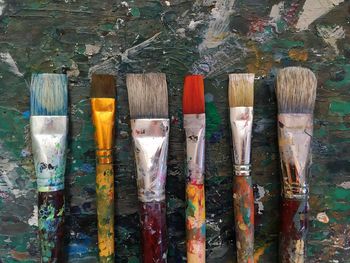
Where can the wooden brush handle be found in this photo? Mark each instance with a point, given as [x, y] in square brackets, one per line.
[243, 204]
[153, 232]
[51, 225]
[105, 211]
[294, 227]
[195, 223]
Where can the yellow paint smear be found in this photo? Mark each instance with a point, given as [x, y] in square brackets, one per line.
[298, 54]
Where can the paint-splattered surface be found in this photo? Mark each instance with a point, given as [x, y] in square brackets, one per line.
[175, 37]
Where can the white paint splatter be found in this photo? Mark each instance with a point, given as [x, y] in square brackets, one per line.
[345, 185]
[73, 70]
[7, 169]
[193, 24]
[181, 32]
[119, 23]
[33, 220]
[92, 49]
[130, 52]
[331, 34]
[276, 12]
[218, 28]
[2, 6]
[215, 62]
[108, 66]
[7, 59]
[124, 4]
[322, 217]
[167, 3]
[314, 9]
[261, 193]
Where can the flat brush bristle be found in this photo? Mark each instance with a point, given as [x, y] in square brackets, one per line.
[193, 97]
[48, 94]
[241, 90]
[148, 95]
[103, 86]
[296, 90]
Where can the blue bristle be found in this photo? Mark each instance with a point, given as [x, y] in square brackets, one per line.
[48, 94]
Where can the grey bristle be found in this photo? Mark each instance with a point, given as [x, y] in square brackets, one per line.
[148, 95]
[48, 94]
[296, 90]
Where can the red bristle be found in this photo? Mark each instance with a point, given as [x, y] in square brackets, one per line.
[193, 97]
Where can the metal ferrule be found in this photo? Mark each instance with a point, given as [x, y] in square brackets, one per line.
[194, 125]
[49, 144]
[241, 119]
[151, 139]
[103, 115]
[294, 140]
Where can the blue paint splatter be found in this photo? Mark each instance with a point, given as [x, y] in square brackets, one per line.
[80, 245]
[87, 168]
[26, 114]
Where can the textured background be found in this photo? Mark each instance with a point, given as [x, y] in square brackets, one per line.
[176, 37]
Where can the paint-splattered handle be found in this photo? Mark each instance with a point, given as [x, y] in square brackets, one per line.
[294, 226]
[105, 211]
[154, 232]
[243, 201]
[195, 223]
[51, 225]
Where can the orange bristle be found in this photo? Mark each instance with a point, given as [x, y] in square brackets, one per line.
[193, 97]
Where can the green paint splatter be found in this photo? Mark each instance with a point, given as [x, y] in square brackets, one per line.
[190, 209]
[321, 132]
[342, 108]
[282, 44]
[135, 12]
[213, 119]
[342, 193]
[342, 83]
[107, 27]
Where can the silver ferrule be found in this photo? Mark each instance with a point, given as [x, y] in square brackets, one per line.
[194, 125]
[294, 141]
[151, 139]
[49, 144]
[241, 119]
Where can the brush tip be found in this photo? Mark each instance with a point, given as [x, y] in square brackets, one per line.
[148, 95]
[241, 90]
[103, 86]
[193, 95]
[296, 90]
[49, 94]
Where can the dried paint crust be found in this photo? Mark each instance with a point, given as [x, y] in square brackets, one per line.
[148, 43]
[51, 225]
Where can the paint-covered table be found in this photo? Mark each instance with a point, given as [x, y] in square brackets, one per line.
[209, 37]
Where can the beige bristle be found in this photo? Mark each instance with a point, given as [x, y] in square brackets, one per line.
[296, 90]
[148, 95]
[241, 90]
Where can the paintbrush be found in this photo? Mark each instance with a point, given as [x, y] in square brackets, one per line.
[103, 91]
[194, 125]
[49, 127]
[241, 101]
[148, 103]
[296, 95]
